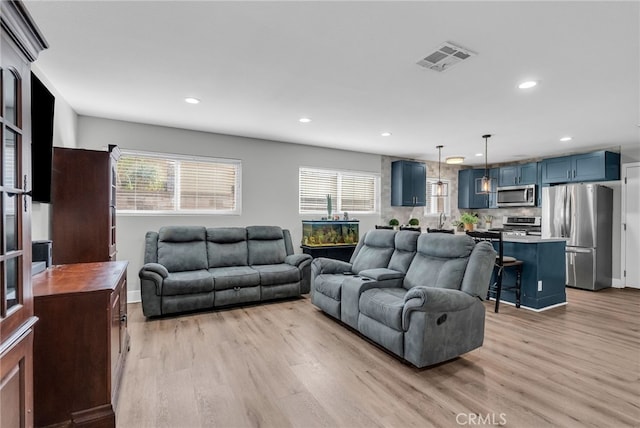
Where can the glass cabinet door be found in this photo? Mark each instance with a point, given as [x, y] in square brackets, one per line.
[15, 295]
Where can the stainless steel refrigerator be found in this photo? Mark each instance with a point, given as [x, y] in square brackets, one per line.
[583, 215]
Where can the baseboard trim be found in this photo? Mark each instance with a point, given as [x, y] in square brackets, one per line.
[546, 308]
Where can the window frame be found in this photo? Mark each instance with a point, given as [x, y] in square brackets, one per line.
[337, 209]
[430, 198]
[185, 158]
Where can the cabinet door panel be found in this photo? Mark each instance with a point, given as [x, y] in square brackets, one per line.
[468, 198]
[556, 170]
[419, 180]
[528, 173]
[508, 175]
[16, 383]
[589, 166]
[494, 173]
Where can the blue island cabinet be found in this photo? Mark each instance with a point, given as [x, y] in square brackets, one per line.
[543, 272]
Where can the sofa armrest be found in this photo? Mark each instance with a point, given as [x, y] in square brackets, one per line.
[156, 268]
[381, 274]
[429, 299]
[297, 259]
[323, 265]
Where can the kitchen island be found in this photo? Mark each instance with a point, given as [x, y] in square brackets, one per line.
[543, 271]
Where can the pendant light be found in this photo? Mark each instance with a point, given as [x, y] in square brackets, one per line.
[483, 185]
[439, 189]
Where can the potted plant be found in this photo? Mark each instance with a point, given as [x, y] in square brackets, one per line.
[394, 222]
[414, 222]
[488, 219]
[469, 220]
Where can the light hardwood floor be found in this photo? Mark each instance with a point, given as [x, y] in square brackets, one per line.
[286, 364]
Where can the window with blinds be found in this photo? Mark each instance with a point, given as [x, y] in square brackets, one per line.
[163, 183]
[353, 192]
[437, 204]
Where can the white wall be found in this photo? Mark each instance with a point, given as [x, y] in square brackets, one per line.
[65, 124]
[269, 179]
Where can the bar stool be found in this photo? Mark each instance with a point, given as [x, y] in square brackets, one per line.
[502, 262]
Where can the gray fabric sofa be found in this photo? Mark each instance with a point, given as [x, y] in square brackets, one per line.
[191, 267]
[417, 295]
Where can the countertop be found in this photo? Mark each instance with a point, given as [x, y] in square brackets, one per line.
[529, 239]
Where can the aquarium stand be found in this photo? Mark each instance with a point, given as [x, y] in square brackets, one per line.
[337, 252]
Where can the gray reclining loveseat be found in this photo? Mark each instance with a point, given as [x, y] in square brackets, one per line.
[417, 295]
[191, 267]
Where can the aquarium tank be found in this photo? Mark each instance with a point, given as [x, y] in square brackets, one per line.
[317, 233]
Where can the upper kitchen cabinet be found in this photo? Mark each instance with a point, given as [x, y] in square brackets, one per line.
[408, 184]
[597, 166]
[514, 175]
[468, 198]
[494, 174]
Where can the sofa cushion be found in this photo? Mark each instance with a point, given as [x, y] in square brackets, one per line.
[329, 285]
[234, 276]
[192, 282]
[182, 248]
[440, 262]
[227, 246]
[277, 274]
[266, 245]
[406, 244]
[384, 305]
[376, 250]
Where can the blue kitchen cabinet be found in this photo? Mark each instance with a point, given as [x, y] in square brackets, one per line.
[539, 185]
[467, 196]
[408, 184]
[521, 174]
[543, 272]
[596, 166]
[494, 173]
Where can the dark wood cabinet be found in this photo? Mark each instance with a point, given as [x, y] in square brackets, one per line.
[408, 184]
[80, 344]
[20, 44]
[83, 213]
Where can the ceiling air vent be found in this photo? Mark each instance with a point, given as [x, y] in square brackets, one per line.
[445, 56]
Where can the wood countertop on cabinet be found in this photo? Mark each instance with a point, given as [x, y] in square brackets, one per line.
[78, 278]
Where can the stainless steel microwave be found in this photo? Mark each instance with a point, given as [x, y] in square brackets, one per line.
[517, 196]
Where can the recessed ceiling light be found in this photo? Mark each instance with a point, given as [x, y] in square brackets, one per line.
[191, 100]
[386, 134]
[566, 139]
[304, 120]
[454, 160]
[528, 84]
[479, 154]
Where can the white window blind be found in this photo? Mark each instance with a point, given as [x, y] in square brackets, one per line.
[163, 183]
[437, 204]
[353, 192]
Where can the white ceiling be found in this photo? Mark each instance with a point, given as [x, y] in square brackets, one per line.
[351, 67]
